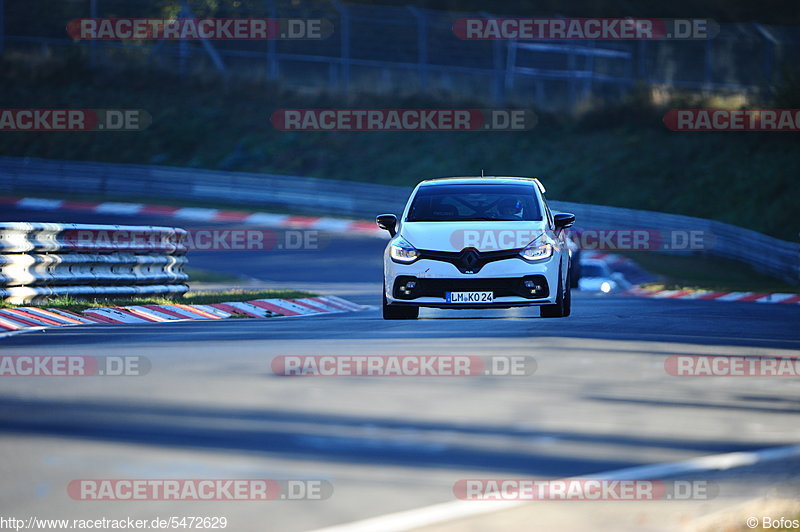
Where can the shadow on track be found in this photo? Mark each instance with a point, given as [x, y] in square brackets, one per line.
[328, 437]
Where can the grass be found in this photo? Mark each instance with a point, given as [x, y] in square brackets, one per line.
[190, 298]
[684, 272]
[197, 275]
[616, 154]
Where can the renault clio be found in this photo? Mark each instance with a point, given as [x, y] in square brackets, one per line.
[474, 243]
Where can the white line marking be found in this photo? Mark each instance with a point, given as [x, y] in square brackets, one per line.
[20, 331]
[774, 298]
[332, 224]
[733, 296]
[39, 203]
[267, 219]
[119, 208]
[448, 511]
[205, 215]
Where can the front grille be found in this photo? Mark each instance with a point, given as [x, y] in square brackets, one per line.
[469, 260]
[512, 286]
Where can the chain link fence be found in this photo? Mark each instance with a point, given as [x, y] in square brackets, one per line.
[398, 49]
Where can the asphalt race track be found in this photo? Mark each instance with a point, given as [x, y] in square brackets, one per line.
[211, 407]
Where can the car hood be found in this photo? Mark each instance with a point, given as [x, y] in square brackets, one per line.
[481, 235]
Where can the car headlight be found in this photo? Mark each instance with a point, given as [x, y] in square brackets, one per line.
[607, 286]
[401, 251]
[537, 250]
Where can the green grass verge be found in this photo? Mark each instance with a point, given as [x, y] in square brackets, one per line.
[197, 275]
[684, 272]
[620, 154]
[190, 298]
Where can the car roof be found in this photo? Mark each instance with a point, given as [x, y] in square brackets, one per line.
[484, 180]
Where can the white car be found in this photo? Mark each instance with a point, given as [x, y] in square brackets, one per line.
[596, 276]
[476, 242]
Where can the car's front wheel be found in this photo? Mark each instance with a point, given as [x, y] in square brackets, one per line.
[397, 312]
[563, 305]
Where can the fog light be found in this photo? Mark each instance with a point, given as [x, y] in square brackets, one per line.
[411, 284]
[529, 284]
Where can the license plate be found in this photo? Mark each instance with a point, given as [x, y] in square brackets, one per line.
[470, 297]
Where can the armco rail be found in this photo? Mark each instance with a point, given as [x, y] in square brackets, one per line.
[38, 260]
[764, 253]
[346, 198]
[132, 181]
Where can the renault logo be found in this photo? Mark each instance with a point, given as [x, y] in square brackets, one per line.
[469, 259]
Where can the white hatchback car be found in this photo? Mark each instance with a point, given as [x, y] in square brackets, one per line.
[476, 242]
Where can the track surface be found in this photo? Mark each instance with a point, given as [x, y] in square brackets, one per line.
[210, 407]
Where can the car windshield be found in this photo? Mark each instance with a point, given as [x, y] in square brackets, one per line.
[460, 203]
[592, 270]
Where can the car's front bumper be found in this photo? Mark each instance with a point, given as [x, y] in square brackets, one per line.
[505, 278]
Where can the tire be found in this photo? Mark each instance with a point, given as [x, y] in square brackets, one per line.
[563, 304]
[574, 276]
[568, 297]
[575, 270]
[397, 312]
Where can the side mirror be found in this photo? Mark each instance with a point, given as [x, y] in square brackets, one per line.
[563, 220]
[387, 222]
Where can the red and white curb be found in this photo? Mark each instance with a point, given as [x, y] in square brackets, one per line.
[265, 219]
[336, 225]
[29, 318]
[700, 295]
[708, 295]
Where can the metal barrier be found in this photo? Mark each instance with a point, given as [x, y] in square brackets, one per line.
[349, 198]
[42, 260]
[766, 254]
[304, 194]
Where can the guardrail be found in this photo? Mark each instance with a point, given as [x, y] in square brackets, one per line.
[766, 254]
[43, 260]
[304, 194]
[350, 198]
